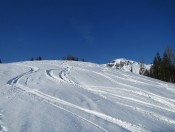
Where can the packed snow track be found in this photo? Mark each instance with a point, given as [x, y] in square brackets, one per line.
[56, 96]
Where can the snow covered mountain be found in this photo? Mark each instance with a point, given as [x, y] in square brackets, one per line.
[54, 96]
[127, 65]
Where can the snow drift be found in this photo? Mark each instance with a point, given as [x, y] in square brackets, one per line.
[77, 96]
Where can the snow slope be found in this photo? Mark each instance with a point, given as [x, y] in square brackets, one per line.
[45, 96]
[126, 65]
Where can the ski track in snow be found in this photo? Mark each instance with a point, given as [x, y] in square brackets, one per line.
[145, 112]
[63, 76]
[49, 99]
[169, 102]
[158, 84]
[154, 97]
[142, 93]
[126, 125]
[52, 76]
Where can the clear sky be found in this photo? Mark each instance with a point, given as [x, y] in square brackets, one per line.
[96, 30]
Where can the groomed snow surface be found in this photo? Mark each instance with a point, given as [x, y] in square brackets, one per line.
[55, 96]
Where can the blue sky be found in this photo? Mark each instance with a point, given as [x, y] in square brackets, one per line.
[95, 30]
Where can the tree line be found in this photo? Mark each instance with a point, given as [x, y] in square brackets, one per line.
[72, 58]
[163, 68]
[69, 58]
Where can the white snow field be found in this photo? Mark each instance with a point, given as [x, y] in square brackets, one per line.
[67, 96]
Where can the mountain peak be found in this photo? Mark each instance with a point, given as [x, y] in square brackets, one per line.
[126, 65]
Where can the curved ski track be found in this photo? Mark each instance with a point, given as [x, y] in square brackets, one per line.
[162, 100]
[170, 103]
[53, 100]
[104, 92]
[47, 98]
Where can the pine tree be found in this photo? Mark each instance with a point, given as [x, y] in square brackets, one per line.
[131, 69]
[146, 73]
[159, 61]
[0, 61]
[165, 67]
[70, 57]
[170, 64]
[155, 70]
[39, 58]
[173, 69]
[142, 67]
[31, 59]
